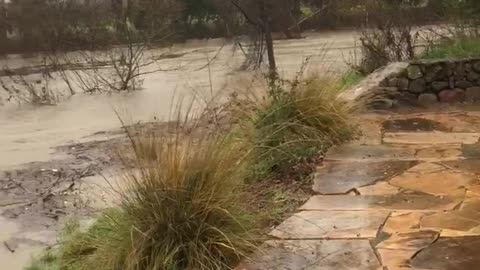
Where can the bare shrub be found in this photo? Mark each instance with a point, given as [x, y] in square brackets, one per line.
[387, 37]
[21, 89]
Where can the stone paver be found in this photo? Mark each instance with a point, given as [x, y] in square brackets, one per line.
[462, 222]
[331, 224]
[449, 254]
[426, 138]
[380, 188]
[425, 178]
[411, 240]
[314, 255]
[399, 222]
[342, 177]
[354, 152]
[406, 196]
[399, 202]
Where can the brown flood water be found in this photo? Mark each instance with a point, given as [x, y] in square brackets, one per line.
[29, 133]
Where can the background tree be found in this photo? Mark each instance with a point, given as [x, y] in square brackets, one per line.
[264, 17]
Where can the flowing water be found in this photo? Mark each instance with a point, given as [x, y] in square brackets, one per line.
[27, 133]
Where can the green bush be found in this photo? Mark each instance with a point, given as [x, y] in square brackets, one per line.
[461, 47]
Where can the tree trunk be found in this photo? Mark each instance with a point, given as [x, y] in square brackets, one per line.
[3, 22]
[267, 31]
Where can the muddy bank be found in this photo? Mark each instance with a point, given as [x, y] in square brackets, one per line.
[37, 198]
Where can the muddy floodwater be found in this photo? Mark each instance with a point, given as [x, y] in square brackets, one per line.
[30, 135]
[27, 133]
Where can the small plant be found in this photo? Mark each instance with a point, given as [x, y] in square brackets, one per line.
[350, 78]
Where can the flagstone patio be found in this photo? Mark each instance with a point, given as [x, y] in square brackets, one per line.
[404, 196]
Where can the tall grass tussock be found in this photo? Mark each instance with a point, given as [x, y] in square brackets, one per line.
[292, 121]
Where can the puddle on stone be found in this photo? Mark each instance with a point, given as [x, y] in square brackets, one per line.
[413, 124]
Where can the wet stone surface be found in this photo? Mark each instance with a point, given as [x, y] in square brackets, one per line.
[414, 198]
[466, 166]
[342, 177]
[314, 255]
[431, 181]
[399, 222]
[450, 254]
[430, 138]
[471, 151]
[409, 240]
[331, 224]
[401, 201]
[462, 222]
[352, 152]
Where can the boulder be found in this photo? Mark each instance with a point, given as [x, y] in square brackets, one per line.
[383, 104]
[476, 66]
[427, 99]
[438, 86]
[403, 84]
[473, 76]
[406, 98]
[463, 84]
[431, 72]
[459, 73]
[393, 82]
[452, 96]
[414, 72]
[472, 94]
[417, 86]
[468, 67]
[449, 68]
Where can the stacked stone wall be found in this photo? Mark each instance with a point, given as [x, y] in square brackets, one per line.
[429, 82]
